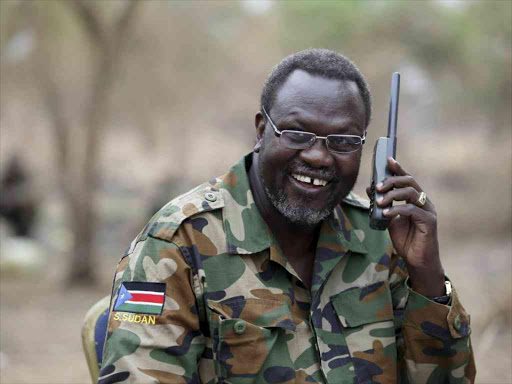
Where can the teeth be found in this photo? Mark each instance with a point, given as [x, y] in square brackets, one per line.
[319, 182]
[304, 179]
[307, 179]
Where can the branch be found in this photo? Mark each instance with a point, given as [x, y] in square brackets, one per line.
[105, 74]
[51, 99]
[123, 24]
[54, 105]
[90, 22]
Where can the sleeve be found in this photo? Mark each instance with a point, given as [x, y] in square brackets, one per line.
[153, 331]
[433, 339]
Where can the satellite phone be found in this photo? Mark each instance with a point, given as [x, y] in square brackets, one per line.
[384, 148]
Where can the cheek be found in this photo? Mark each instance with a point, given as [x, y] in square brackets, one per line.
[274, 167]
[274, 155]
[350, 167]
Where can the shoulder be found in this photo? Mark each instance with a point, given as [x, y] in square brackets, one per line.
[163, 225]
[357, 211]
[356, 201]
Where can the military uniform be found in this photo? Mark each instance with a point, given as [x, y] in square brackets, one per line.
[212, 299]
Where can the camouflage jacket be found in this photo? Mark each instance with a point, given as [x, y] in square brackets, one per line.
[212, 299]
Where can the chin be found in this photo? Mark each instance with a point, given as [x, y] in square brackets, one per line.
[298, 210]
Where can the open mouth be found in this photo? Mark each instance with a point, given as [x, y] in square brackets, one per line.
[310, 181]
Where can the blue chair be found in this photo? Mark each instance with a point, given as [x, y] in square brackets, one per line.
[94, 331]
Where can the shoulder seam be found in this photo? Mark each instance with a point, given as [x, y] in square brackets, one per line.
[154, 237]
[203, 199]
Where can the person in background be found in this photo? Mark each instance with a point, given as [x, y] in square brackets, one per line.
[18, 204]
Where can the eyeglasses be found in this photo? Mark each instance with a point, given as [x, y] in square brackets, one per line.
[305, 140]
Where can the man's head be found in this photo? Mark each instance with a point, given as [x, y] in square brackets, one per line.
[305, 97]
[315, 61]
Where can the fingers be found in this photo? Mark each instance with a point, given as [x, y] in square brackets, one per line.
[396, 167]
[401, 187]
[407, 194]
[412, 211]
[401, 179]
[397, 182]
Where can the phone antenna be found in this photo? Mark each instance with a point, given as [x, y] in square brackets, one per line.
[393, 104]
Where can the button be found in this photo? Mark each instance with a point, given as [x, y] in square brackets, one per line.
[457, 324]
[210, 196]
[240, 327]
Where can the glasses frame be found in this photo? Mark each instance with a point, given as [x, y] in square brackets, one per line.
[279, 133]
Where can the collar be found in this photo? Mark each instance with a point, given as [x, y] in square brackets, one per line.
[247, 232]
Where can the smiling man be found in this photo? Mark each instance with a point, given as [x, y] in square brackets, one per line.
[271, 274]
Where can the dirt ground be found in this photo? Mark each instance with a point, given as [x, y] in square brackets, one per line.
[40, 330]
[41, 319]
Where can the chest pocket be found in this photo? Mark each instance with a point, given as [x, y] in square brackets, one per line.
[366, 314]
[244, 333]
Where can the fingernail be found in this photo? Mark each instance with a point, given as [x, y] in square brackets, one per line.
[385, 211]
[379, 186]
[379, 200]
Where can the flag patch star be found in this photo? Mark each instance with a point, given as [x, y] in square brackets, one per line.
[141, 297]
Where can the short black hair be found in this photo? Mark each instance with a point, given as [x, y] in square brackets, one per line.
[315, 61]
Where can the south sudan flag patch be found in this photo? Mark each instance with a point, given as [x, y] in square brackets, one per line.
[141, 297]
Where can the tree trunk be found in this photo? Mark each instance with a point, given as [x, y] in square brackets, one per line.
[78, 179]
[84, 214]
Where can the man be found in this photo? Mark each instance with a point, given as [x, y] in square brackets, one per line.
[18, 200]
[271, 274]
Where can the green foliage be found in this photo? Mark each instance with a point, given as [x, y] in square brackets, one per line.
[468, 43]
[321, 23]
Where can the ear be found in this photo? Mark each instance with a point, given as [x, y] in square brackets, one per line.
[259, 123]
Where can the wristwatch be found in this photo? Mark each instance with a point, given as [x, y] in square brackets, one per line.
[447, 297]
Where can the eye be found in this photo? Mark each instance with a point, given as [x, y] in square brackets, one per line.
[343, 144]
[297, 139]
[301, 133]
[299, 136]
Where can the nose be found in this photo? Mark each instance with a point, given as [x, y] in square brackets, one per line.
[318, 155]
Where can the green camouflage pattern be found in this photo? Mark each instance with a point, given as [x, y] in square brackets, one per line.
[236, 311]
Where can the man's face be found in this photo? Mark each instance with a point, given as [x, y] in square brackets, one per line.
[322, 106]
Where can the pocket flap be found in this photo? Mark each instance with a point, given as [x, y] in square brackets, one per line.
[364, 305]
[260, 312]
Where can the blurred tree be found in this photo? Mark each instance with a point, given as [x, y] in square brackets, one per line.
[78, 152]
[191, 73]
[464, 47]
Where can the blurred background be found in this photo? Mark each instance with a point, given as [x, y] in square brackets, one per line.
[111, 108]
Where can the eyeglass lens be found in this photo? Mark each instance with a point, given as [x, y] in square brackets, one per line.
[335, 143]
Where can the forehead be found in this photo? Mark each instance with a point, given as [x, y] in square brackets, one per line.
[329, 98]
